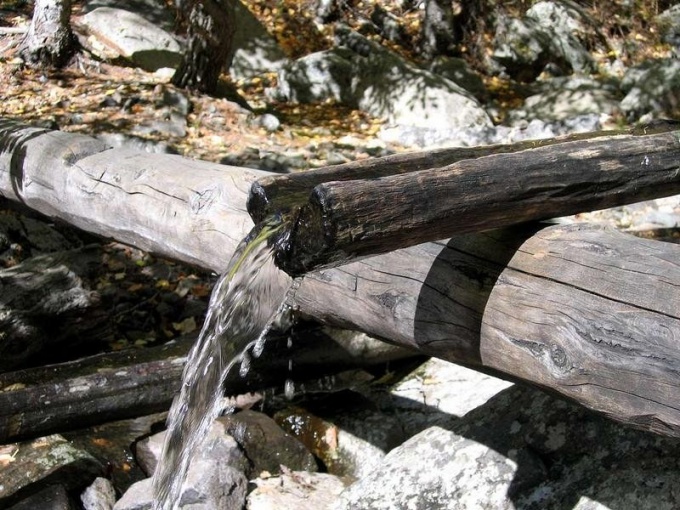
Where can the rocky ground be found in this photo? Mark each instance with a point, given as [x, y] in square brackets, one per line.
[431, 436]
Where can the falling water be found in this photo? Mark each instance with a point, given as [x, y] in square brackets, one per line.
[246, 301]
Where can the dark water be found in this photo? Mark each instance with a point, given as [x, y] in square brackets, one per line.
[247, 300]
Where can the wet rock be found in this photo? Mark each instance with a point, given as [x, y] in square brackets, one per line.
[49, 460]
[52, 497]
[216, 476]
[112, 33]
[652, 90]
[99, 496]
[297, 490]
[266, 445]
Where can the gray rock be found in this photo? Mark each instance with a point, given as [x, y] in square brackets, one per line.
[550, 33]
[295, 490]
[521, 47]
[387, 87]
[49, 459]
[255, 50]
[457, 71]
[99, 496]
[112, 33]
[154, 11]
[138, 497]
[568, 97]
[668, 23]
[524, 449]
[317, 77]
[269, 122]
[568, 27]
[652, 89]
[364, 75]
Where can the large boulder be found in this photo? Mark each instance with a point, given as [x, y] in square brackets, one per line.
[652, 90]
[141, 31]
[555, 33]
[568, 97]
[523, 449]
[364, 75]
[112, 33]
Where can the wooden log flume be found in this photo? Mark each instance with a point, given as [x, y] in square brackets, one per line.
[588, 313]
[362, 210]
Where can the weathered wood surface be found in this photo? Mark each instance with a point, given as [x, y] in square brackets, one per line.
[44, 307]
[358, 218]
[603, 306]
[188, 210]
[105, 387]
[589, 313]
[283, 192]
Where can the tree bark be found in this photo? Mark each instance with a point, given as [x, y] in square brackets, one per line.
[188, 210]
[209, 40]
[49, 41]
[438, 36]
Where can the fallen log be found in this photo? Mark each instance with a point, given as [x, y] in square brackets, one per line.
[136, 382]
[345, 219]
[601, 321]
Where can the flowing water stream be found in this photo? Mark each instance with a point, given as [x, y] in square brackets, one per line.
[247, 299]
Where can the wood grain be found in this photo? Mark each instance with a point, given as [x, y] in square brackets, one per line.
[358, 218]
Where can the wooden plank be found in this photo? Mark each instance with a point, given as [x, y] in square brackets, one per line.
[586, 312]
[359, 218]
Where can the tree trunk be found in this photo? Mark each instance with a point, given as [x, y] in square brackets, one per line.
[209, 39]
[591, 314]
[49, 41]
[438, 37]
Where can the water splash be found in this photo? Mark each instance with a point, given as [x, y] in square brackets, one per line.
[247, 299]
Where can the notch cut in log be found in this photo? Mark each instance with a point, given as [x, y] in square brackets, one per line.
[345, 219]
